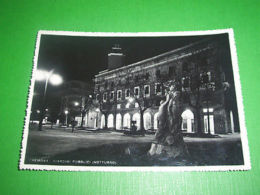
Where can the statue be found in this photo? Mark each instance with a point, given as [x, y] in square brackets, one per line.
[168, 138]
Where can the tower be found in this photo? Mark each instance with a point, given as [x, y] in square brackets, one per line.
[115, 58]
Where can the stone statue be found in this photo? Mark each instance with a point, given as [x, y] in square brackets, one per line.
[168, 138]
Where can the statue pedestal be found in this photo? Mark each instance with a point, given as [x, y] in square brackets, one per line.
[169, 151]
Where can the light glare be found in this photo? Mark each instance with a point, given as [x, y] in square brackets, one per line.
[55, 79]
[41, 75]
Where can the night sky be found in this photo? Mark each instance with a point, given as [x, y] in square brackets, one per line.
[80, 58]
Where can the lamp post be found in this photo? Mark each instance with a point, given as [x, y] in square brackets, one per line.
[66, 114]
[46, 76]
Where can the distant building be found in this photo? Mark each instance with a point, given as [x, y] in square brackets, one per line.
[200, 68]
[73, 99]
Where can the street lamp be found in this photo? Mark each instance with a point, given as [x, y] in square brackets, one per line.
[54, 79]
[66, 113]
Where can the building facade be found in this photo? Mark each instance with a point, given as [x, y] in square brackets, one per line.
[133, 92]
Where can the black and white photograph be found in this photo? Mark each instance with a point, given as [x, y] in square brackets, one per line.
[135, 102]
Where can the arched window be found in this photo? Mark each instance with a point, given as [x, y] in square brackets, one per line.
[136, 117]
[147, 121]
[102, 125]
[85, 121]
[110, 121]
[188, 121]
[118, 121]
[155, 121]
[127, 122]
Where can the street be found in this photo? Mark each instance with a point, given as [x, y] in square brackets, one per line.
[107, 145]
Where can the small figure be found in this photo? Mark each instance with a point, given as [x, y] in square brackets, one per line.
[73, 124]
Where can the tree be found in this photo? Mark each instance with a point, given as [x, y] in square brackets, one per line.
[143, 104]
[86, 106]
[103, 107]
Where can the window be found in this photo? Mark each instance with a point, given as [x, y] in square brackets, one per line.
[147, 90]
[112, 95]
[118, 106]
[171, 71]
[147, 76]
[127, 93]
[127, 105]
[185, 67]
[205, 77]
[158, 73]
[97, 97]
[206, 110]
[112, 84]
[137, 91]
[209, 76]
[119, 94]
[136, 105]
[158, 88]
[105, 97]
[186, 82]
[136, 78]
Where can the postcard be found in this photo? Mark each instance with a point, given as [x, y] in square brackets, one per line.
[165, 101]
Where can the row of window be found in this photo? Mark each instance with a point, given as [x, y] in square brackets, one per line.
[205, 78]
[119, 93]
[137, 78]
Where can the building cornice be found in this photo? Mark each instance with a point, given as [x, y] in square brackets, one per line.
[107, 72]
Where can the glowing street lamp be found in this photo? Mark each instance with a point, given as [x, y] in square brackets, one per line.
[66, 113]
[54, 79]
[76, 103]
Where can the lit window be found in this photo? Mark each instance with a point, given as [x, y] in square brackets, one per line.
[209, 75]
[147, 90]
[112, 95]
[127, 93]
[206, 110]
[136, 105]
[118, 106]
[119, 94]
[127, 105]
[137, 91]
[105, 97]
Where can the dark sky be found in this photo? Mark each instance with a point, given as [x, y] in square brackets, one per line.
[80, 58]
